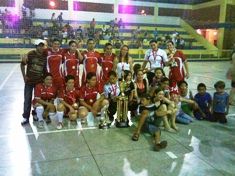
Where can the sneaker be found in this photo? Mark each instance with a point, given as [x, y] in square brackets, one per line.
[35, 118]
[48, 120]
[40, 124]
[25, 122]
[163, 144]
[59, 126]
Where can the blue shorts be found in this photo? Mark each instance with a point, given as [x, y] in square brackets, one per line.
[150, 128]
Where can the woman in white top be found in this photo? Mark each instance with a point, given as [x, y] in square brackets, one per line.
[125, 62]
[156, 58]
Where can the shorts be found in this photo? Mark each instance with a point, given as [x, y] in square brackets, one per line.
[150, 128]
[233, 84]
[220, 117]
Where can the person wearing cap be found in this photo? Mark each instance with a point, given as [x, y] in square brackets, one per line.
[156, 58]
[35, 61]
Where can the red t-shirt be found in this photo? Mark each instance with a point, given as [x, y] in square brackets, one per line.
[69, 97]
[90, 61]
[106, 62]
[54, 62]
[46, 93]
[89, 94]
[177, 69]
[71, 64]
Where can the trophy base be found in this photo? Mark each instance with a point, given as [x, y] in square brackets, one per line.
[123, 124]
[104, 126]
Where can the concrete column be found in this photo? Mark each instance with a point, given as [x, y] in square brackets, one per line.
[222, 19]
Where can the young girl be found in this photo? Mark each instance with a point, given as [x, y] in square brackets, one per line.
[141, 84]
[151, 117]
[220, 102]
[181, 117]
[159, 74]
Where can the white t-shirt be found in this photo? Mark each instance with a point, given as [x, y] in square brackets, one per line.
[112, 90]
[156, 58]
[121, 66]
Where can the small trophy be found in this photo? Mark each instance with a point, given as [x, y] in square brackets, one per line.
[104, 119]
[121, 116]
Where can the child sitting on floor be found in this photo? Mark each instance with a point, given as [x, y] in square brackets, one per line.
[151, 118]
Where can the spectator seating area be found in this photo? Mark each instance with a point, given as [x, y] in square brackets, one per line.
[14, 44]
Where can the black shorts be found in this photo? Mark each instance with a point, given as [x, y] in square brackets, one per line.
[233, 84]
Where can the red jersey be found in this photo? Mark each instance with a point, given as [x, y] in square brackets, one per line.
[106, 62]
[54, 62]
[69, 97]
[89, 94]
[90, 61]
[71, 64]
[46, 93]
[176, 73]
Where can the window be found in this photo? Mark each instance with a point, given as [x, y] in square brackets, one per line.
[92, 7]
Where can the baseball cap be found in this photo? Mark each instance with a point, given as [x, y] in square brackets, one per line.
[39, 41]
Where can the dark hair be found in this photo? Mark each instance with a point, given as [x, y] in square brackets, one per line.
[90, 75]
[90, 39]
[46, 75]
[112, 73]
[71, 42]
[170, 41]
[55, 40]
[182, 82]
[120, 54]
[153, 41]
[146, 95]
[164, 79]
[219, 84]
[161, 69]
[69, 77]
[157, 90]
[136, 67]
[126, 73]
[201, 85]
[107, 44]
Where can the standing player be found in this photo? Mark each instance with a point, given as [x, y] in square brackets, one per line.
[108, 62]
[178, 62]
[71, 62]
[54, 63]
[36, 65]
[90, 60]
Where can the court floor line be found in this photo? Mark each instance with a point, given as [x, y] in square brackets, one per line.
[8, 76]
[53, 131]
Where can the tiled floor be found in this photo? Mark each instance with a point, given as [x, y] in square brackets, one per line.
[200, 149]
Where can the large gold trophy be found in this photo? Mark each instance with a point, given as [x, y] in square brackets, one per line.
[122, 115]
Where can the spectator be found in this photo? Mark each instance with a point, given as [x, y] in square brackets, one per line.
[60, 19]
[155, 33]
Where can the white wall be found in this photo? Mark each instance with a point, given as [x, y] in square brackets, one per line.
[105, 17]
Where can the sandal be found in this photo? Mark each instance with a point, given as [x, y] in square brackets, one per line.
[135, 137]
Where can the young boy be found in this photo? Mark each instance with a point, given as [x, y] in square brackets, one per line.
[220, 102]
[204, 101]
[151, 117]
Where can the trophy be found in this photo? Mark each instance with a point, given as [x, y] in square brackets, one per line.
[122, 117]
[104, 119]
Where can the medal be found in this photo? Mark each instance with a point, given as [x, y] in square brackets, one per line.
[92, 65]
[106, 68]
[73, 67]
[91, 101]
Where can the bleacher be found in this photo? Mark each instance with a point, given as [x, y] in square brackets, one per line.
[13, 45]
